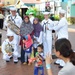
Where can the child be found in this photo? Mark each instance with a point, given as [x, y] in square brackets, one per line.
[27, 46]
[39, 61]
[9, 48]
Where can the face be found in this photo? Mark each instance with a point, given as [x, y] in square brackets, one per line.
[30, 15]
[13, 13]
[61, 15]
[46, 17]
[39, 49]
[26, 20]
[57, 53]
[10, 38]
[35, 21]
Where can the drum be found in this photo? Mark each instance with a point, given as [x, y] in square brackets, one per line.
[13, 27]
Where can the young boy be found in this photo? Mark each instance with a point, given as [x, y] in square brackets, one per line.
[39, 61]
[9, 48]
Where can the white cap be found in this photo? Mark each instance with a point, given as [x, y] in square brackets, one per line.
[13, 9]
[10, 34]
[30, 13]
[62, 11]
[46, 13]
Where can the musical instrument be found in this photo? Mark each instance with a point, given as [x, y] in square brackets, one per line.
[13, 27]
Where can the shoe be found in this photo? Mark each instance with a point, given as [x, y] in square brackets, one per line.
[56, 63]
[19, 58]
[60, 67]
[29, 64]
[15, 62]
[11, 57]
[24, 63]
[7, 61]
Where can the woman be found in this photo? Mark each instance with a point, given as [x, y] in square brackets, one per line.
[25, 29]
[63, 50]
[37, 32]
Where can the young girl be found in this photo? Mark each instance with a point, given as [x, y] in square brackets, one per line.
[27, 46]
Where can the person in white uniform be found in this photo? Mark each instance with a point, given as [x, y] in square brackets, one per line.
[62, 32]
[9, 48]
[47, 24]
[31, 17]
[17, 20]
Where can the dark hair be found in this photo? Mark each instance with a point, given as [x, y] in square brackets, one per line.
[41, 46]
[64, 47]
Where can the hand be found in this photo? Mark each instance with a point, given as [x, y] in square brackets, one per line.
[9, 54]
[48, 59]
[47, 28]
[35, 39]
[32, 50]
[18, 32]
[8, 25]
[37, 42]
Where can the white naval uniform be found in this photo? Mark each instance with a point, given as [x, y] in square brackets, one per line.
[47, 35]
[31, 19]
[18, 21]
[14, 46]
[62, 32]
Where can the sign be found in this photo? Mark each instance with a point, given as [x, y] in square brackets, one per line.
[49, 7]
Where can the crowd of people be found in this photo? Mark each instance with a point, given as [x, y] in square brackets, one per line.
[33, 42]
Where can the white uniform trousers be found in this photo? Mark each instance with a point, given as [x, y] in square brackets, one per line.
[47, 43]
[14, 55]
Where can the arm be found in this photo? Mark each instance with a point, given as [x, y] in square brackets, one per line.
[50, 26]
[49, 72]
[3, 48]
[59, 26]
[40, 38]
[48, 64]
[5, 22]
[20, 22]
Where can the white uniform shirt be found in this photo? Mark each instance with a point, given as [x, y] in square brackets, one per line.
[31, 19]
[13, 43]
[15, 19]
[49, 24]
[62, 28]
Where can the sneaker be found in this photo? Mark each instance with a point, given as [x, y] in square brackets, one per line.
[7, 61]
[15, 62]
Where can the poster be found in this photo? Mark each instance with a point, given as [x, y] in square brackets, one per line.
[50, 7]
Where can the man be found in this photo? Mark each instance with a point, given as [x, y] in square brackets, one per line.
[1, 20]
[47, 24]
[16, 19]
[9, 48]
[31, 17]
[62, 31]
